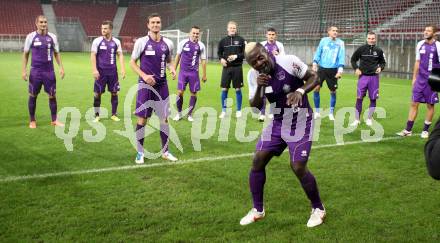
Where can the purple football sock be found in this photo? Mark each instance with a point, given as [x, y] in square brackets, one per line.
[358, 108]
[164, 132]
[310, 187]
[179, 103]
[140, 133]
[192, 104]
[371, 109]
[409, 125]
[426, 126]
[114, 101]
[53, 108]
[256, 184]
[32, 104]
[96, 104]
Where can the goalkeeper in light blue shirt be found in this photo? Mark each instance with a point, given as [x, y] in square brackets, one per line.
[330, 57]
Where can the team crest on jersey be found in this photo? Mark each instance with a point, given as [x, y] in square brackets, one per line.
[432, 48]
[186, 45]
[36, 39]
[48, 39]
[281, 75]
[286, 88]
[163, 47]
[196, 47]
[375, 53]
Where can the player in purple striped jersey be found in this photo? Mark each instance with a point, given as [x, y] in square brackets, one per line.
[189, 52]
[105, 72]
[427, 57]
[275, 48]
[44, 47]
[283, 80]
[154, 53]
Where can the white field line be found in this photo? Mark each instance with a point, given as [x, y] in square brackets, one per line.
[187, 161]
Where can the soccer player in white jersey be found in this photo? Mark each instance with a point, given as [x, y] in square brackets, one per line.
[104, 69]
[44, 47]
[189, 52]
[274, 48]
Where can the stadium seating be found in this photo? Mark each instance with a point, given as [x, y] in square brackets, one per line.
[91, 15]
[19, 16]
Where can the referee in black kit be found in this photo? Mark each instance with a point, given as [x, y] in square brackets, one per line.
[231, 55]
[432, 146]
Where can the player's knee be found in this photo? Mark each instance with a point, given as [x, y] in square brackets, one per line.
[32, 95]
[299, 168]
[180, 92]
[194, 94]
[97, 95]
[114, 93]
[414, 105]
[258, 164]
[52, 97]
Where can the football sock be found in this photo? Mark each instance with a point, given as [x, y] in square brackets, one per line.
[310, 187]
[114, 101]
[239, 96]
[256, 184]
[317, 100]
[32, 104]
[53, 108]
[409, 125]
[140, 133]
[96, 104]
[426, 126]
[164, 132]
[224, 97]
[179, 103]
[358, 108]
[372, 108]
[192, 104]
[332, 102]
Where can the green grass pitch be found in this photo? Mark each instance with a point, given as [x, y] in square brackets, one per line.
[372, 191]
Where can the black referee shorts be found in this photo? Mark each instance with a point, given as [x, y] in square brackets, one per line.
[234, 74]
[328, 74]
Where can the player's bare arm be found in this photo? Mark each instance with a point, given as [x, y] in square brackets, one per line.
[60, 64]
[204, 70]
[415, 71]
[171, 67]
[95, 71]
[25, 59]
[122, 63]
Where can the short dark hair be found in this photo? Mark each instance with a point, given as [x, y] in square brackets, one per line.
[40, 16]
[108, 22]
[433, 26]
[271, 29]
[195, 27]
[153, 15]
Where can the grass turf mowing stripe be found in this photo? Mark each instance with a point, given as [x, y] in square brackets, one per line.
[188, 161]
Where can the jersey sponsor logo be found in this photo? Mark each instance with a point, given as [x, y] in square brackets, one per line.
[423, 51]
[186, 49]
[103, 47]
[150, 53]
[375, 53]
[149, 47]
[281, 75]
[236, 42]
[37, 43]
